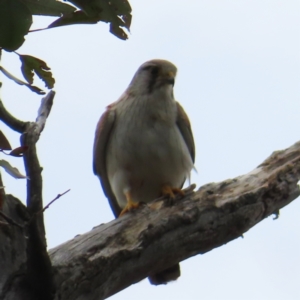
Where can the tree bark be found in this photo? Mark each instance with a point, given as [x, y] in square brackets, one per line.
[27, 270]
[112, 256]
[13, 254]
[115, 255]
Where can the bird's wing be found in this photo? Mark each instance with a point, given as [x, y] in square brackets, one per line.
[103, 131]
[184, 126]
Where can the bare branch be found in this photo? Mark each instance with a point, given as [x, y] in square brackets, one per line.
[52, 201]
[10, 120]
[113, 256]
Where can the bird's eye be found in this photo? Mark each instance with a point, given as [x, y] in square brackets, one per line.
[154, 70]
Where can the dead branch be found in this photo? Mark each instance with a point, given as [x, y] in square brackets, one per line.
[52, 201]
[113, 256]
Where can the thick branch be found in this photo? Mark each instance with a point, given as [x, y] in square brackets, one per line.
[112, 256]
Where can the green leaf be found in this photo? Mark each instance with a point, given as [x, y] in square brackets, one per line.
[115, 12]
[4, 143]
[14, 172]
[15, 21]
[20, 82]
[117, 31]
[31, 65]
[51, 8]
[77, 17]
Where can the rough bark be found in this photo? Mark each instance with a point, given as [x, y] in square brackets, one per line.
[13, 250]
[25, 266]
[39, 272]
[112, 256]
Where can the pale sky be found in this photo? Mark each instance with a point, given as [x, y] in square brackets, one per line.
[238, 80]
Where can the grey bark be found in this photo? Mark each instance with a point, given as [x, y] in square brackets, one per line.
[112, 256]
[27, 270]
[115, 255]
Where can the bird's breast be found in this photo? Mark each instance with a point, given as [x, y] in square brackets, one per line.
[146, 150]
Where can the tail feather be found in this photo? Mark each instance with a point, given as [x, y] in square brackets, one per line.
[165, 276]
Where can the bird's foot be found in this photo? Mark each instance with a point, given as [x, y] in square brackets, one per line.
[130, 204]
[171, 194]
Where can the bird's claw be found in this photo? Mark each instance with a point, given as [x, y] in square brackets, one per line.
[130, 205]
[171, 194]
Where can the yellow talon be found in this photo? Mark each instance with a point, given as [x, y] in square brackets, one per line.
[171, 192]
[130, 204]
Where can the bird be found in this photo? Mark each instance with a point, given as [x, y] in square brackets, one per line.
[144, 146]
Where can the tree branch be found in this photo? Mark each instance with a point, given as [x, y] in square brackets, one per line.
[31, 162]
[10, 120]
[113, 256]
[38, 262]
[52, 201]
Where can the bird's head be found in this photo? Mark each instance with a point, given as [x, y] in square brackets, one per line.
[154, 75]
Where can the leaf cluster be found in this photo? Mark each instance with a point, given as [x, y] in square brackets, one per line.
[16, 20]
[16, 17]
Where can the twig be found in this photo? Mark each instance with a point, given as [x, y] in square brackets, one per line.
[47, 206]
[56, 198]
[9, 220]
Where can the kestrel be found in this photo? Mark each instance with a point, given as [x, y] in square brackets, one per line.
[144, 146]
